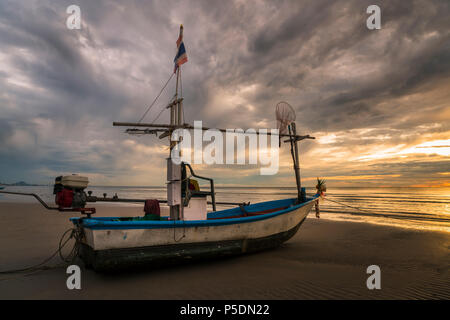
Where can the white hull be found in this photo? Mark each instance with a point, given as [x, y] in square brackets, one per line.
[111, 243]
[131, 238]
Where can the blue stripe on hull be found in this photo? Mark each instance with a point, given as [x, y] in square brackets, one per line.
[104, 223]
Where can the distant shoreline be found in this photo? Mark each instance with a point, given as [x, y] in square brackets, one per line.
[21, 184]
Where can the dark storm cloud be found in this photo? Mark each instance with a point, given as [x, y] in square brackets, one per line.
[56, 65]
[69, 85]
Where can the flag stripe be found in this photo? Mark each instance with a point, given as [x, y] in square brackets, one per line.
[181, 56]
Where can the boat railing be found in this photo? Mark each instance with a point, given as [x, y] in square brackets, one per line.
[189, 193]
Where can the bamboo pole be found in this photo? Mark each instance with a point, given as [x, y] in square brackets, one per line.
[297, 163]
[294, 154]
[189, 127]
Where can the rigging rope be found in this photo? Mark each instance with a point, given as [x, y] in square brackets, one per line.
[159, 94]
[148, 109]
[164, 108]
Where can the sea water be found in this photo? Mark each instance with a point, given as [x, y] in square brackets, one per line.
[419, 208]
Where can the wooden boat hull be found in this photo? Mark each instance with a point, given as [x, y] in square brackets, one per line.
[112, 245]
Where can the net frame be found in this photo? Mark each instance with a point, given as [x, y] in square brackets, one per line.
[285, 115]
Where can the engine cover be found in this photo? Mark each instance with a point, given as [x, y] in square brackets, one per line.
[69, 191]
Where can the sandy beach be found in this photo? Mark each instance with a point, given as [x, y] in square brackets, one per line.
[325, 260]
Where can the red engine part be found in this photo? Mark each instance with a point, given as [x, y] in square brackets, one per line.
[64, 198]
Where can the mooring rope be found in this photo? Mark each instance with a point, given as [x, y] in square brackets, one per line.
[174, 230]
[346, 205]
[343, 204]
[68, 259]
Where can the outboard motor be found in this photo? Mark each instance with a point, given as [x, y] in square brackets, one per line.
[69, 191]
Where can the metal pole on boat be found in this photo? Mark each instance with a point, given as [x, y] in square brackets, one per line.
[174, 170]
[180, 207]
[179, 101]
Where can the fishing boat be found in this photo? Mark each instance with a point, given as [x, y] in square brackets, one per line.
[189, 230]
[117, 243]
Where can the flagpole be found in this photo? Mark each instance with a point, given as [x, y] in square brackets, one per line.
[174, 171]
[178, 111]
[176, 88]
[180, 101]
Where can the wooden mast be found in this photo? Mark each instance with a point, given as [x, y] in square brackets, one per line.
[295, 160]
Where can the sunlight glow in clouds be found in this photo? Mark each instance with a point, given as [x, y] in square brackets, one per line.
[440, 147]
[377, 101]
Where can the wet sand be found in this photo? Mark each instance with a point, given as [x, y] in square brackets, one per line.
[324, 260]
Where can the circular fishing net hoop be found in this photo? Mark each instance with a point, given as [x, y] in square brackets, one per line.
[285, 115]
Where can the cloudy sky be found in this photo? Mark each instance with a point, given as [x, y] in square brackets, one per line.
[377, 101]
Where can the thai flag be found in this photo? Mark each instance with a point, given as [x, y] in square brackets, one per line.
[181, 56]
